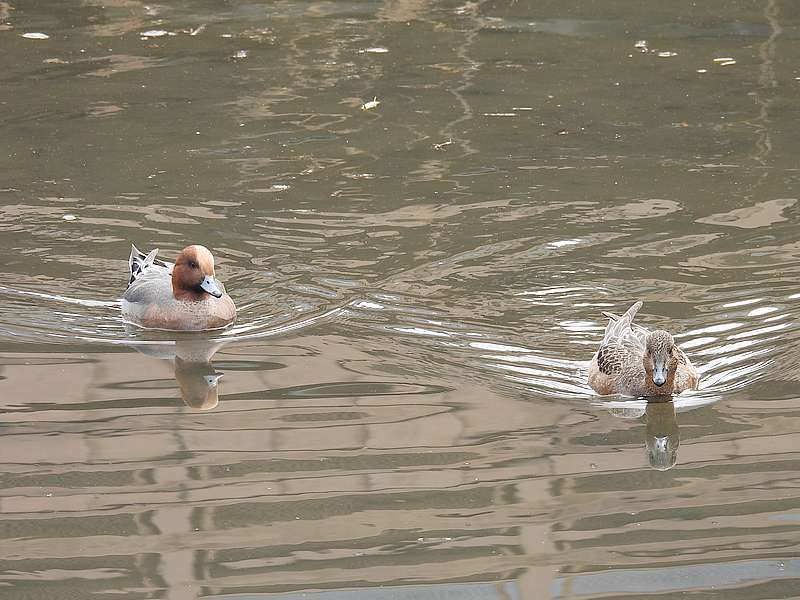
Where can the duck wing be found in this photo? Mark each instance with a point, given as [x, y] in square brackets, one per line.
[623, 343]
[622, 331]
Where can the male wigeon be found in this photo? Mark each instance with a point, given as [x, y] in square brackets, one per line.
[635, 361]
[184, 296]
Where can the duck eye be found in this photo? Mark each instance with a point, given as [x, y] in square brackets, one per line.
[193, 264]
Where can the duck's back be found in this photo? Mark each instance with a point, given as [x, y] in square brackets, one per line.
[149, 301]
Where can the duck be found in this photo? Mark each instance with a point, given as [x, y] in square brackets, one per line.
[180, 296]
[634, 361]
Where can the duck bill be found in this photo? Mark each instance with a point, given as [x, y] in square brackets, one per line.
[210, 286]
[659, 374]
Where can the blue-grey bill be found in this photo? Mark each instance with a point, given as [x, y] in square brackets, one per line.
[210, 285]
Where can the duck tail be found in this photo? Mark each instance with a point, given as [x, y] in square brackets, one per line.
[133, 259]
[139, 261]
[617, 326]
[631, 312]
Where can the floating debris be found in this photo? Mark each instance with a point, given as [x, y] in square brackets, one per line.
[521, 108]
[562, 243]
[375, 50]
[500, 114]
[443, 145]
[371, 104]
[35, 35]
[193, 30]
[154, 33]
[641, 45]
[277, 187]
[69, 217]
[724, 59]
[258, 34]
[239, 54]
[726, 63]
[55, 61]
[667, 54]
[702, 70]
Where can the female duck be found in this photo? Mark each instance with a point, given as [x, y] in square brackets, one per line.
[184, 296]
[634, 361]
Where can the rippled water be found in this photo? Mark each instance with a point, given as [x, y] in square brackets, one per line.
[401, 409]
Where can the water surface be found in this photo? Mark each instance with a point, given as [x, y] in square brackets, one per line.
[421, 210]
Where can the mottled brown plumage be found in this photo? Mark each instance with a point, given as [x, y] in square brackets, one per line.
[634, 361]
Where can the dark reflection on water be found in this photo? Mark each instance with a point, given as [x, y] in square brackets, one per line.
[401, 409]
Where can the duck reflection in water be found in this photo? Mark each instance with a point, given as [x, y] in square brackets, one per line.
[194, 372]
[662, 436]
[198, 382]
